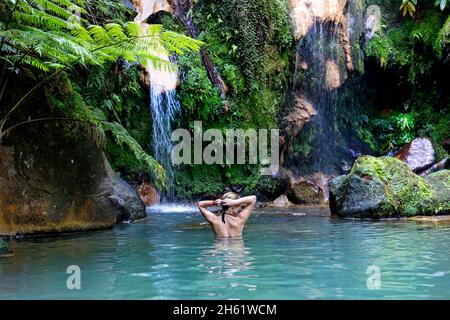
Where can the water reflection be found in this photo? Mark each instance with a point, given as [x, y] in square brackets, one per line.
[227, 257]
[228, 263]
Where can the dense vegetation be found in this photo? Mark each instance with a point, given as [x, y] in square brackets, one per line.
[86, 67]
[411, 55]
[68, 49]
[251, 44]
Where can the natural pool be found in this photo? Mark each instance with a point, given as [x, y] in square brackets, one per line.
[298, 253]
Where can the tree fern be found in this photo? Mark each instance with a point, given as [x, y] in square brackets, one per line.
[52, 36]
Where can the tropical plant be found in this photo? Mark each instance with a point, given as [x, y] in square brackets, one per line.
[49, 37]
[408, 7]
[395, 130]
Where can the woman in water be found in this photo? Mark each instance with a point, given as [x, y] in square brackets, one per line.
[235, 212]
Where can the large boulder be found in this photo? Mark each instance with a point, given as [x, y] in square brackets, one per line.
[439, 181]
[57, 181]
[419, 154]
[270, 187]
[281, 201]
[129, 206]
[386, 187]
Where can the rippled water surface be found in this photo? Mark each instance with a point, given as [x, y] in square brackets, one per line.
[295, 254]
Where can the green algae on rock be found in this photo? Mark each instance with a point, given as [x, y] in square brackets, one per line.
[385, 187]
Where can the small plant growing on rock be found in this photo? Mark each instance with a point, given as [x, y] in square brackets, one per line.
[4, 250]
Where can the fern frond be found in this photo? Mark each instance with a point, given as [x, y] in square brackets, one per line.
[122, 138]
[133, 29]
[99, 34]
[115, 31]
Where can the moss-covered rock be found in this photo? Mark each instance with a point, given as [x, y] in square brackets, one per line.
[385, 187]
[305, 192]
[440, 183]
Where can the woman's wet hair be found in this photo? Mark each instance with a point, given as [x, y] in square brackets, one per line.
[229, 195]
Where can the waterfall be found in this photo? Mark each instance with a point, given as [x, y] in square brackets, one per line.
[319, 72]
[164, 107]
[328, 34]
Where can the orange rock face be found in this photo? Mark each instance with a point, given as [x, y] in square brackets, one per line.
[148, 193]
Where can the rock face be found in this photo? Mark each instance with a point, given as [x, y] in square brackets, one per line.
[54, 182]
[304, 13]
[372, 21]
[333, 78]
[305, 192]
[148, 194]
[439, 181]
[301, 114]
[145, 8]
[386, 187]
[419, 154]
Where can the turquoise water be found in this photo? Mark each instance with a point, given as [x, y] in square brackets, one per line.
[296, 254]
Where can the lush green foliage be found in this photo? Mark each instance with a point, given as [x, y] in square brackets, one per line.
[55, 35]
[409, 45]
[413, 51]
[250, 43]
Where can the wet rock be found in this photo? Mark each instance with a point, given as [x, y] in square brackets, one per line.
[441, 165]
[148, 194]
[301, 114]
[333, 78]
[126, 200]
[53, 182]
[345, 166]
[305, 13]
[321, 180]
[419, 154]
[305, 192]
[386, 187]
[270, 187]
[372, 21]
[4, 249]
[281, 201]
[439, 181]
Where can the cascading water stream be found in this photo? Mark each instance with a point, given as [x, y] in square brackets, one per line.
[319, 72]
[164, 107]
